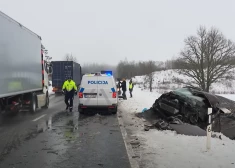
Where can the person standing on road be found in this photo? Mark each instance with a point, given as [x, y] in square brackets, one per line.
[69, 88]
[131, 87]
[119, 87]
[124, 89]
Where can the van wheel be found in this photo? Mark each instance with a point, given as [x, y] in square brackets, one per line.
[33, 104]
[115, 111]
[81, 111]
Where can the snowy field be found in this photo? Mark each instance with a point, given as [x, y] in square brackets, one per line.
[166, 149]
[169, 80]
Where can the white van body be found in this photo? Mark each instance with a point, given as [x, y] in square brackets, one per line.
[98, 91]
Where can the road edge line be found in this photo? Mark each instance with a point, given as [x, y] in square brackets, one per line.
[130, 152]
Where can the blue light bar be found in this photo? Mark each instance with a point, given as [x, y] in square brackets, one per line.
[108, 73]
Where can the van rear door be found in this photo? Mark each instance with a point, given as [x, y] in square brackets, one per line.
[89, 90]
[106, 91]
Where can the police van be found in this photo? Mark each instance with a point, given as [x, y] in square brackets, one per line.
[98, 92]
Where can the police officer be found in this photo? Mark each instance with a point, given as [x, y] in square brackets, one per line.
[131, 87]
[69, 88]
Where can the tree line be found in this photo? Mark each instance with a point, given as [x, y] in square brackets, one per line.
[206, 57]
[95, 67]
[129, 69]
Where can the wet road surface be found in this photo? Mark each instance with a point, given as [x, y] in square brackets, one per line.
[50, 138]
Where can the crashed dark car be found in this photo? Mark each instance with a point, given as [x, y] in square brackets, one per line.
[187, 105]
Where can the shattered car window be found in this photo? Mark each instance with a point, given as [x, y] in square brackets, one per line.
[184, 92]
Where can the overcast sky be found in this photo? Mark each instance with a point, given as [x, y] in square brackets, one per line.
[110, 30]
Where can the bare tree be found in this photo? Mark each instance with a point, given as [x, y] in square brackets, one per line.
[207, 57]
[150, 74]
[130, 69]
[70, 57]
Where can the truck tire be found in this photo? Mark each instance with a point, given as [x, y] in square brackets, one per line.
[33, 104]
[2, 111]
[47, 101]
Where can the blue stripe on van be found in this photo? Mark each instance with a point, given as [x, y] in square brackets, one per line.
[113, 90]
[81, 90]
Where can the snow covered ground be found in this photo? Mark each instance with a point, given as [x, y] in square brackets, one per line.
[166, 149]
[170, 79]
[228, 96]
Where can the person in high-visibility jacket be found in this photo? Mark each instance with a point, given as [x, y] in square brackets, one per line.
[69, 88]
[131, 87]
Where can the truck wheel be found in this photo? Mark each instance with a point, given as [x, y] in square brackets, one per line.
[33, 105]
[47, 101]
[2, 111]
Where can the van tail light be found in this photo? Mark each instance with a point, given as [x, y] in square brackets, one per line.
[114, 95]
[80, 94]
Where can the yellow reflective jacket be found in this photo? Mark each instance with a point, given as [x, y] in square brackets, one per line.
[130, 85]
[69, 85]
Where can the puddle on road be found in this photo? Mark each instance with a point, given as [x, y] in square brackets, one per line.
[62, 125]
[57, 120]
[62, 130]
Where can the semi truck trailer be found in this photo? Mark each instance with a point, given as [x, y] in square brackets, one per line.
[23, 73]
[61, 71]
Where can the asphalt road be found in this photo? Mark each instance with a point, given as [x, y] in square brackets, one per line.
[52, 139]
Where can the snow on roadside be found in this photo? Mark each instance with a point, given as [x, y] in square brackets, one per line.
[228, 96]
[141, 99]
[166, 149]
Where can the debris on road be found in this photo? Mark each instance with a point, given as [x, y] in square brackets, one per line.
[53, 152]
[101, 165]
